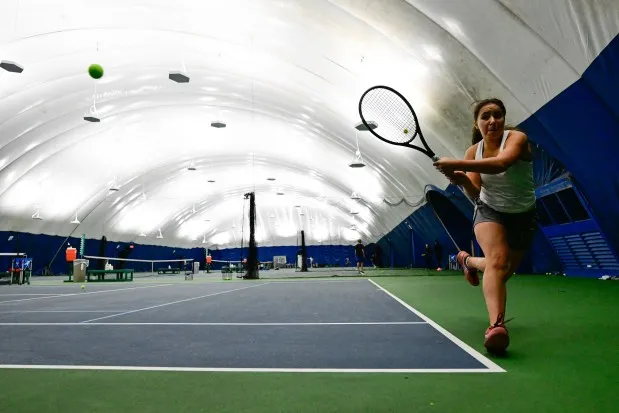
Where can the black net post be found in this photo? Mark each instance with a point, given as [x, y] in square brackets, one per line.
[303, 253]
[252, 253]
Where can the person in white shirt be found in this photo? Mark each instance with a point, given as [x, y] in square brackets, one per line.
[497, 173]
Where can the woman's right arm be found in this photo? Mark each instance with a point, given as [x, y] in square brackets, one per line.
[472, 182]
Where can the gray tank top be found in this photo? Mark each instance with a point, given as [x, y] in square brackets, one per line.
[511, 191]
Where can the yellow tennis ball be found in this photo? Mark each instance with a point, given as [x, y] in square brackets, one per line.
[95, 71]
[405, 130]
[83, 286]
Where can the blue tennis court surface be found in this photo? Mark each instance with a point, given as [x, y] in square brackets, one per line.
[304, 325]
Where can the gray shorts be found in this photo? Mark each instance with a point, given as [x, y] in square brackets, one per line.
[519, 227]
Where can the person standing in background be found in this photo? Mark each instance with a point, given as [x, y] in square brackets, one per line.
[438, 253]
[360, 255]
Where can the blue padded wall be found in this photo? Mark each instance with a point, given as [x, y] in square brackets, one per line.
[42, 248]
[580, 128]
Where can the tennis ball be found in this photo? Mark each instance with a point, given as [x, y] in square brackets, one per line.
[95, 71]
[405, 130]
[83, 286]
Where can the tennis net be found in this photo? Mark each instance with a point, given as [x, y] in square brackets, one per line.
[142, 268]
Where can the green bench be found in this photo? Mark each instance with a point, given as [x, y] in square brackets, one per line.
[99, 275]
[169, 270]
[227, 269]
[16, 277]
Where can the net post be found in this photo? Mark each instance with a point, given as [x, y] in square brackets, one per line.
[252, 253]
[303, 253]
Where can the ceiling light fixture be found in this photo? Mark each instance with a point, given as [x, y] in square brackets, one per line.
[357, 161]
[37, 215]
[361, 126]
[11, 66]
[178, 77]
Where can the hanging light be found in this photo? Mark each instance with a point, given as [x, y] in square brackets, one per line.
[361, 126]
[94, 114]
[37, 215]
[11, 66]
[357, 161]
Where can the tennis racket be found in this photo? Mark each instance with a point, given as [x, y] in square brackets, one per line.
[394, 118]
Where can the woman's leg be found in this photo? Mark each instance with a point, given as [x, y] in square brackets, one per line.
[493, 242]
[515, 257]
[498, 264]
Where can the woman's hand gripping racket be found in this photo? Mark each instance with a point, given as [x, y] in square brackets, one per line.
[396, 119]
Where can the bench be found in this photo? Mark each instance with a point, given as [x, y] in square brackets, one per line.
[99, 275]
[8, 276]
[231, 269]
[16, 276]
[169, 270]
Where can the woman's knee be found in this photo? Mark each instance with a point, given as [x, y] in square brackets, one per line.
[498, 263]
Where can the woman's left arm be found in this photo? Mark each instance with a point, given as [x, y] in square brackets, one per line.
[515, 146]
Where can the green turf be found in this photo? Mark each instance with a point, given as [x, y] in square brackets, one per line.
[563, 358]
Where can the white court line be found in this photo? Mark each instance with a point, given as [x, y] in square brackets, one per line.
[313, 280]
[493, 367]
[173, 302]
[60, 311]
[222, 324]
[84, 293]
[244, 370]
[13, 295]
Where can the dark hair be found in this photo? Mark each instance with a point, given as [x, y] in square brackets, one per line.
[478, 105]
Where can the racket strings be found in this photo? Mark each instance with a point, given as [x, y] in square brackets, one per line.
[395, 120]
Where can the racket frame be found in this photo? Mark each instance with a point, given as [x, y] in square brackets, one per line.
[427, 151]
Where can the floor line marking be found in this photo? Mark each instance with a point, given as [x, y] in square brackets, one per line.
[218, 324]
[173, 302]
[470, 350]
[59, 311]
[84, 293]
[243, 370]
[17, 295]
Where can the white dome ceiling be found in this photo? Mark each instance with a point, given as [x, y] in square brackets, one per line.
[286, 78]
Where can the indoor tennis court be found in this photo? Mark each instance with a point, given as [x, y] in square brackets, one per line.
[301, 344]
[333, 326]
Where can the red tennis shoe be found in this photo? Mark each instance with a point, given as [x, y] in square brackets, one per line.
[469, 273]
[497, 337]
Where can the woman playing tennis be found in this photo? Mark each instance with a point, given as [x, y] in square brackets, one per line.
[497, 172]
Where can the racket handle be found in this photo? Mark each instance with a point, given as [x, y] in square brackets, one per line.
[435, 158]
